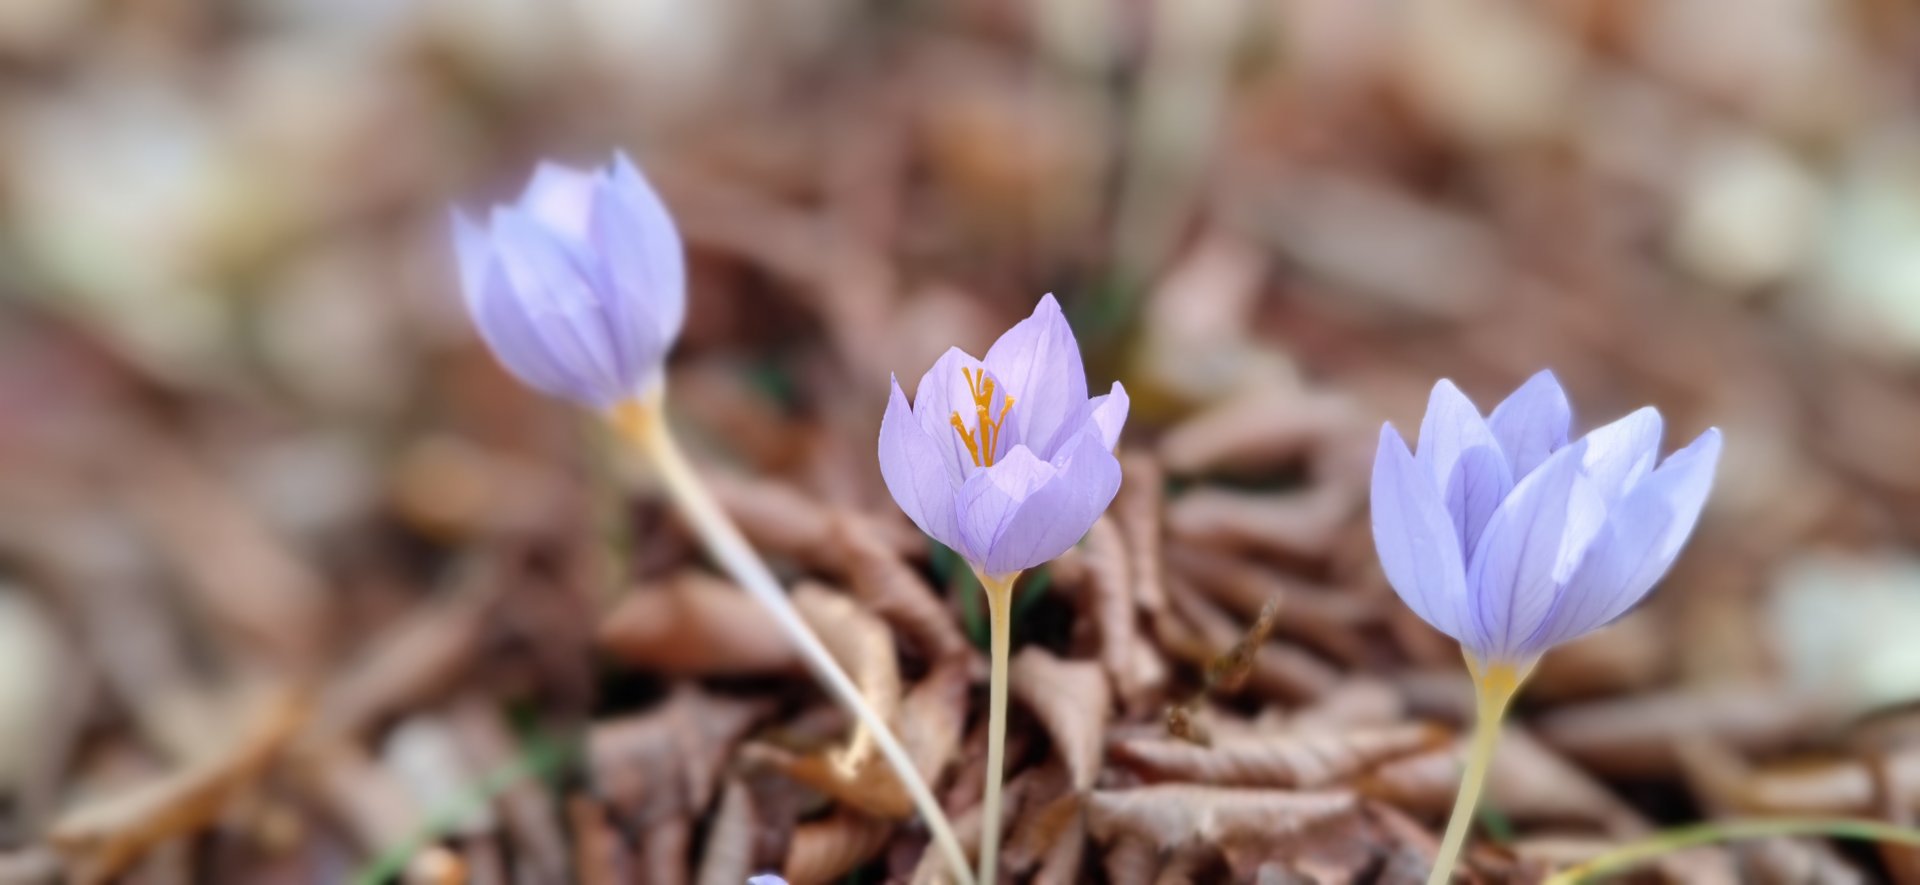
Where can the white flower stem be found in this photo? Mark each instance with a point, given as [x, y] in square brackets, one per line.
[1493, 688]
[643, 423]
[999, 589]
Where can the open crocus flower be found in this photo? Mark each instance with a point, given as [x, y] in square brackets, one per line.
[1509, 539]
[1005, 459]
[580, 287]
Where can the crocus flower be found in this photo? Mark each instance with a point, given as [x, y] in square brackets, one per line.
[1505, 536]
[1005, 459]
[579, 288]
[766, 879]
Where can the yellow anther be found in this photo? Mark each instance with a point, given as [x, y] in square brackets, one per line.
[988, 442]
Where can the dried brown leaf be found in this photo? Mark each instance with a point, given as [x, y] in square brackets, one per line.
[1635, 736]
[665, 763]
[1139, 508]
[1529, 783]
[884, 582]
[1257, 430]
[1283, 760]
[1131, 860]
[825, 850]
[104, 836]
[663, 857]
[528, 808]
[863, 645]
[931, 719]
[1071, 700]
[1173, 815]
[1295, 524]
[1135, 669]
[1322, 618]
[695, 624]
[1278, 671]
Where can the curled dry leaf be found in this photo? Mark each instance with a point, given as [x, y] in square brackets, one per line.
[694, 624]
[863, 645]
[1131, 860]
[1358, 702]
[1529, 783]
[884, 582]
[1278, 671]
[1303, 524]
[824, 850]
[1070, 699]
[665, 763]
[1135, 669]
[1257, 430]
[1282, 760]
[1635, 736]
[103, 837]
[663, 852]
[1139, 509]
[1173, 815]
[1327, 620]
[931, 718]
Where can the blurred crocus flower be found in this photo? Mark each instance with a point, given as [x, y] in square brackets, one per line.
[768, 879]
[579, 287]
[1506, 537]
[1005, 459]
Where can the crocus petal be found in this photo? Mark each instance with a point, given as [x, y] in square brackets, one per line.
[1644, 534]
[1418, 545]
[1532, 423]
[516, 339]
[1466, 463]
[917, 471]
[1532, 547]
[944, 392]
[560, 197]
[767, 879]
[1057, 514]
[550, 280]
[637, 239]
[1039, 362]
[989, 499]
[1110, 414]
[1620, 454]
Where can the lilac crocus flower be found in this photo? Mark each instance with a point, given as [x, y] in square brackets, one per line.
[579, 288]
[1005, 459]
[766, 879]
[1509, 539]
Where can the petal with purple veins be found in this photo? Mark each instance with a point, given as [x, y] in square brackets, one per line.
[1532, 547]
[916, 471]
[1466, 463]
[1038, 361]
[1057, 514]
[1532, 423]
[1418, 545]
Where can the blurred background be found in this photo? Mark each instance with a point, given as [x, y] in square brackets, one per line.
[289, 567]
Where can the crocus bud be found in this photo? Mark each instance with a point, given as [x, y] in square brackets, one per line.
[1005, 460]
[1509, 539]
[579, 288]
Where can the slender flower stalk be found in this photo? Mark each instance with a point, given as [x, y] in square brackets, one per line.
[1508, 538]
[1008, 462]
[1681, 838]
[580, 290]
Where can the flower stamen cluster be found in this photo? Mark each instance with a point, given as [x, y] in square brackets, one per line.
[982, 449]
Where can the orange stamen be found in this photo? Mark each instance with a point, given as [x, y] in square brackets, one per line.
[983, 446]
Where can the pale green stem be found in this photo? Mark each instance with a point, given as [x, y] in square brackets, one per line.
[1493, 687]
[643, 423]
[999, 590]
[1679, 838]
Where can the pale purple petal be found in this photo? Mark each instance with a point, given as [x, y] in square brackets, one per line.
[767, 879]
[1038, 361]
[637, 240]
[1644, 534]
[1057, 514]
[1532, 547]
[518, 342]
[1110, 414]
[1466, 463]
[989, 499]
[1532, 423]
[553, 287]
[560, 197]
[916, 470]
[1418, 545]
[1620, 454]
